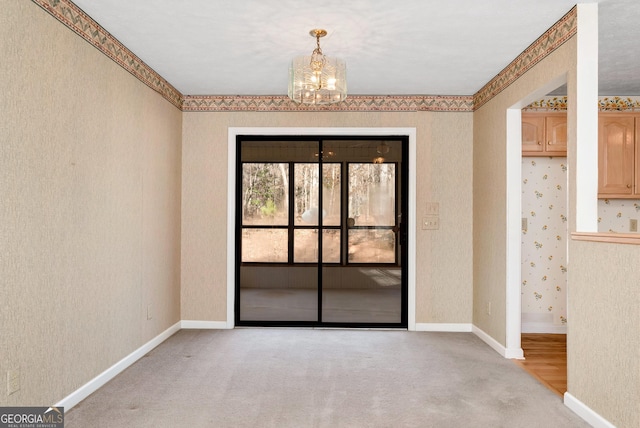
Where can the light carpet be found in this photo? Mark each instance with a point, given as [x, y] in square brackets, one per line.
[322, 378]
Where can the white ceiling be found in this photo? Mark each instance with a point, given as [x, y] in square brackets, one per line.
[392, 47]
[619, 47]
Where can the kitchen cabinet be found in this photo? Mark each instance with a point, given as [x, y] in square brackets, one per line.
[618, 155]
[544, 134]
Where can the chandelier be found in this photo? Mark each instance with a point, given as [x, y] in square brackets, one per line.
[317, 79]
[381, 150]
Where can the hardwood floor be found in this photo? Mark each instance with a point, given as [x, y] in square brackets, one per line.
[546, 359]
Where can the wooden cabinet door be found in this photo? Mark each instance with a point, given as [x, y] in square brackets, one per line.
[616, 151]
[636, 189]
[532, 133]
[556, 134]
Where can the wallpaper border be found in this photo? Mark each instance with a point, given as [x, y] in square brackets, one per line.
[83, 25]
[353, 103]
[548, 42]
[609, 104]
[75, 19]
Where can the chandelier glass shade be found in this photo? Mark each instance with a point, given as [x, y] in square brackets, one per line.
[317, 79]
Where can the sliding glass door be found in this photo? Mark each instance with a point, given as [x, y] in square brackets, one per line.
[319, 233]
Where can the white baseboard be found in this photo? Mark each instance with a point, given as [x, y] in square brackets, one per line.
[532, 322]
[585, 412]
[512, 353]
[446, 327]
[537, 327]
[94, 384]
[205, 325]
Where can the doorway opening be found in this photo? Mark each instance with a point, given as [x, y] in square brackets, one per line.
[545, 238]
[320, 231]
[545, 233]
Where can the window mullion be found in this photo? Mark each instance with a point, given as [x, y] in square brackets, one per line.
[292, 203]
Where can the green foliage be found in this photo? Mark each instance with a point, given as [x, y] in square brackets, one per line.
[269, 209]
[263, 189]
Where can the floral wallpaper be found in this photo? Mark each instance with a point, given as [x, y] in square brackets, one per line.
[548, 104]
[614, 214]
[604, 104]
[544, 243]
[619, 103]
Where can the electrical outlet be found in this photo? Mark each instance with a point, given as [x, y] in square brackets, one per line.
[524, 224]
[633, 225]
[488, 308]
[431, 222]
[13, 381]
[433, 208]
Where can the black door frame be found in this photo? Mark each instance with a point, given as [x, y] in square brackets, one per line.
[403, 232]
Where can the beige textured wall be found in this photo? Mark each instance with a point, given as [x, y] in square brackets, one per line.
[604, 330]
[489, 188]
[603, 302]
[448, 296]
[90, 165]
[443, 175]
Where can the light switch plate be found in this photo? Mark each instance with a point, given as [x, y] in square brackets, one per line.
[431, 222]
[433, 208]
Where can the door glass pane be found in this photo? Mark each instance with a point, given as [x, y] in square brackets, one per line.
[306, 246]
[372, 194]
[331, 193]
[372, 246]
[355, 294]
[264, 245]
[278, 293]
[265, 194]
[372, 208]
[306, 183]
[307, 194]
[331, 246]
